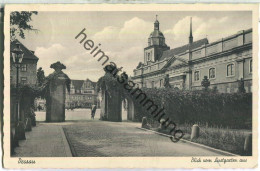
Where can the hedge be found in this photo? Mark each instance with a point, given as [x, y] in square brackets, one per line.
[203, 107]
[230, 110]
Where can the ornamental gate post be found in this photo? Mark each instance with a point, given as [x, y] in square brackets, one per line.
[55, 100]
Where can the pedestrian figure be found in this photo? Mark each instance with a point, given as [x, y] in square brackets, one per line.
[93, 111]
[33, 117]
[39, 107]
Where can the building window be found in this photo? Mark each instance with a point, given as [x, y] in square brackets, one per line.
[230, 70]
[152, 84]
[161, 83]
[148, 57]
[23, 80]
[196, 76]
[228, 90]
[250, 66]
[24, 67]
[212, 73]
[88, 92]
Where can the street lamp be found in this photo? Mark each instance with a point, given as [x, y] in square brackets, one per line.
[17, 56]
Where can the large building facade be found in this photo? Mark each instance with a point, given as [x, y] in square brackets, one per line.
[224, 62]
[82, 94]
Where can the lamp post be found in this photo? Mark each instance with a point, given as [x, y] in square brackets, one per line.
[17, 55]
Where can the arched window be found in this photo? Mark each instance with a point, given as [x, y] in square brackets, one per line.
[196, 76]
[230, 70]
[212, 73]
[148, 57]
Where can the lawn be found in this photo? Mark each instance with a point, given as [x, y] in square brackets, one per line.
[231, 140]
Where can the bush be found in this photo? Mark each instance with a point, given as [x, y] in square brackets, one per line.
[205, 108]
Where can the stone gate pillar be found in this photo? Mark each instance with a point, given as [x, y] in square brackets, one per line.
[56, 93]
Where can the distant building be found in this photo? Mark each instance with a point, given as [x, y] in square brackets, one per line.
[82, 94]
[224, 62]
[28, 67]
[40, 104]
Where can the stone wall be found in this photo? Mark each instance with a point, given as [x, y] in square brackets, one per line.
[111, 106]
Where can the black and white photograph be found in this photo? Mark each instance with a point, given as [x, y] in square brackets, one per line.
[115, 82]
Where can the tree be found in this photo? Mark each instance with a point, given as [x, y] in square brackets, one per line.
[40, 76]
[241, 86]
[19, 22]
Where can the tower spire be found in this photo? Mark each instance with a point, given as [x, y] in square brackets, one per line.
[156, 23]
[191, 37]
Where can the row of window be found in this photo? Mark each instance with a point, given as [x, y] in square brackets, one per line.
[80, 97]
[84, 92]
[230, 71]
[153, 84]
[22, 68]
[86, 86]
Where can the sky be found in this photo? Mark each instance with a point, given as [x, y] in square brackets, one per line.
[122, 35]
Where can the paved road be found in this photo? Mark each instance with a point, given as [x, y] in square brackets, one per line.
[76, 114]
[89, 138]
[115, 139]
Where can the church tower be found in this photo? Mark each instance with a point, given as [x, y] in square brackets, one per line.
[156, 45]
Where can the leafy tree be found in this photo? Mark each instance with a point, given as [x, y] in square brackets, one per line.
[19, 22]
[40, 76]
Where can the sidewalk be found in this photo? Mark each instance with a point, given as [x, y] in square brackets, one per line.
[45, 140]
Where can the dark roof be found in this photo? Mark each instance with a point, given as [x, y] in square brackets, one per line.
[77, 83]
[27, 53]
[93, 83]
[156, 33]
[178, 50]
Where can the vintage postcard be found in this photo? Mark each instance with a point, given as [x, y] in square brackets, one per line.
[130, 86]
